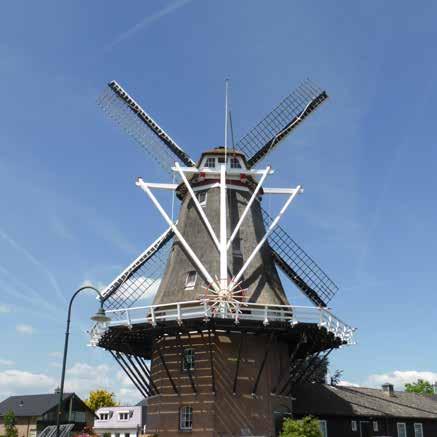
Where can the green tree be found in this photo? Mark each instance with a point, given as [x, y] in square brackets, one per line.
[100, 398]
[421, 387]
[306, 427]
[9, 422]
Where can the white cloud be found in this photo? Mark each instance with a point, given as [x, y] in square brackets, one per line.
[6, 362]
[14, 382]
[81, 378]
[55, 354]
[400, 377]
[347, 384]
[24, 329]
[4, 309]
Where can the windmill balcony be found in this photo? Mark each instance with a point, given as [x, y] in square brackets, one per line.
[201, 310]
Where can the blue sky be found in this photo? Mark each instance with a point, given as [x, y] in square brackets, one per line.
[71, 212]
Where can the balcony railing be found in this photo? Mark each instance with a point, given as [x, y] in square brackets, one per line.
[202, 309]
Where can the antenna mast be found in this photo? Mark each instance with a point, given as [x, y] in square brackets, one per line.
[226, 117]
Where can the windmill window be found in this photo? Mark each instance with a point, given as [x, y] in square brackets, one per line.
[210, 163]
[418, 430]
[188, 360]
[201, 197]
[354, 425]
[375, 426]
[235, 163]
[237, 253]
[402, 429]
[190, 280]
[186, 418]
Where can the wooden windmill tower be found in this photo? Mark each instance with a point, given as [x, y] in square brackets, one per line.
[225, 346]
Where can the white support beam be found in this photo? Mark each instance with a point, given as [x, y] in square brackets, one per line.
[140, 183]
[280, 190]
[198, 206]
[248, 206]
[230, 172]
[171, 187]
[264, 239]
[223, 230]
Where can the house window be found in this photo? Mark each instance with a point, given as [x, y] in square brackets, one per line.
[375, 426]
[186, 419]
[235, 163]
[418, 430]
[323, 428]
[123, 415]
[354, 425]
[402, 430]
[188, 360]
[104, 416]
[221, 159]
[126, 434]
[201, 197]
[210, 163]
[190, 280]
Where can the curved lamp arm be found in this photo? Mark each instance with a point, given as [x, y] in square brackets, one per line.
[67, 334]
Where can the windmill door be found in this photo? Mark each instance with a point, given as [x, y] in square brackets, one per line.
[365, 429]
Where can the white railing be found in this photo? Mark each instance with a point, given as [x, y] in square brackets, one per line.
[201, 309]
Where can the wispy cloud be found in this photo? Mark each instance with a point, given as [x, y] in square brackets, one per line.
[34, 261]
[401, 377]
[5, 308]
[55, 354]
[60, 228]
[24, 329]
[6, 362]
[146, 22]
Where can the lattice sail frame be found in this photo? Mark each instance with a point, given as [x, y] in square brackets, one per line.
[290, 112]
[137, 123]
[142, 277]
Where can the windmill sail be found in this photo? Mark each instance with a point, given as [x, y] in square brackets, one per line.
[299, 266]
[142, 277]
[270, 131]
[121, 107]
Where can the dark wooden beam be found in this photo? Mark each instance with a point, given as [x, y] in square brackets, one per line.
[149, 375]
[287, 372]
[237, 368]
[211, 360]
[141, 389]
[266, 353]
[139, 374]
[306, 376]
[181, 349]
[158, 349]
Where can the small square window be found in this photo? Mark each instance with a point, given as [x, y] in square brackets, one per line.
[104, 416]
[375, 426]
[221, 160]
[418, 430]
[188, 360]
[354, 425]
[190, 280]
[201, 197]
[235, 163]
[186, 419]
[402, 429]
[210, 163]
[123, 416]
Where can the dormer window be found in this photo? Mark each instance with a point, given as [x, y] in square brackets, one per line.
[210, 162]
[123, 415]
[201, 197]
[104, 416]
[235, 163]
[190, 280]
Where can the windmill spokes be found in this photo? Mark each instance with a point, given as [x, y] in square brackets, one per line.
[137, 123]
[270, 131]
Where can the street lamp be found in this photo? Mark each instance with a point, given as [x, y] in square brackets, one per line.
[99, 317]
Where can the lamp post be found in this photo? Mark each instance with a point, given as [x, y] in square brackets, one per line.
[101, 317]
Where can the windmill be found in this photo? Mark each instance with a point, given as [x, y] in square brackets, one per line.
[225, 346]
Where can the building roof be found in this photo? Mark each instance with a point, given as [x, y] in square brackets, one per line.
[113, 422]
[31, 405]
[322, 399]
